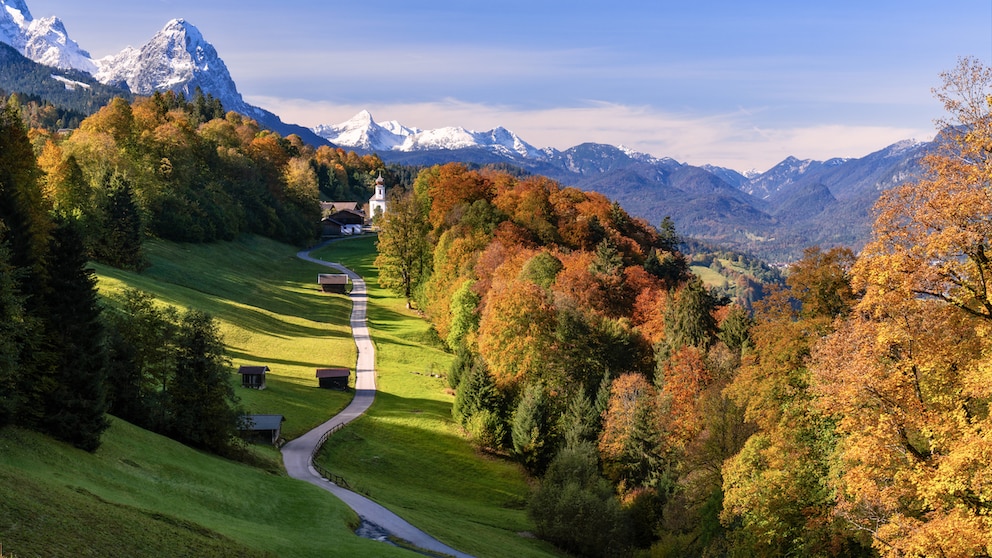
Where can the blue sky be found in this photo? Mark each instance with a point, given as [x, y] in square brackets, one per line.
[735, 83]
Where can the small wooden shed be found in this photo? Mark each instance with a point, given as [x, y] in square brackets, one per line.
[253, 376]
[332, 282]
[262, 428]
[333, 378]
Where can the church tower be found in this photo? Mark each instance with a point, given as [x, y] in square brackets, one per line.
[377, 203]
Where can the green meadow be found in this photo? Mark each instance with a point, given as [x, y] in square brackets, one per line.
[144, 495]
[407, 452]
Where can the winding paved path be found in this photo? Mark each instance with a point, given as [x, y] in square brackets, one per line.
[296, 455]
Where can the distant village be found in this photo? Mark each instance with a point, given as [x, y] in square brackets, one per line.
[349, 218]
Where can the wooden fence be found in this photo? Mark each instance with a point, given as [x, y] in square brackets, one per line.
[336, 479]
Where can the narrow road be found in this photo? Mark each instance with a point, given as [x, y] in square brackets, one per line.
[296, 455]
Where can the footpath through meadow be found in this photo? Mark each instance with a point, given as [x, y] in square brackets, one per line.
[297, 455]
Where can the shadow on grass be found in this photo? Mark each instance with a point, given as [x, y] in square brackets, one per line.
[251, 357]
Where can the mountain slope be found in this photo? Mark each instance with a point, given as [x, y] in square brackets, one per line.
[71, 89]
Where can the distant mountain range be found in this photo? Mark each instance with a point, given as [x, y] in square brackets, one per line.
[774, 214]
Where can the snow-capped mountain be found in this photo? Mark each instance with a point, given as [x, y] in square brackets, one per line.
[362, 132]
[44, 40]
[177, 58]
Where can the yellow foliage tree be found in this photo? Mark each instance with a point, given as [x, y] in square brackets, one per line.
[907, 376]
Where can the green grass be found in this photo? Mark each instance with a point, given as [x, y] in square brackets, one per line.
[709, 277]
[142, 495]
[408, 454]
[270, 312]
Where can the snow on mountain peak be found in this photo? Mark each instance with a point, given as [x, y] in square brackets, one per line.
[48, 43]
[18, 10]
[177, 58]
[362, 132]
[44, 40]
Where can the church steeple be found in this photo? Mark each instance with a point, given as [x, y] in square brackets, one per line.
[377, 203]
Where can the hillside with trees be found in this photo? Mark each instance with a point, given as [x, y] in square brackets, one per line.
[848, 415]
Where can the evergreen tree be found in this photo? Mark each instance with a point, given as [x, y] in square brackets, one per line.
[141, 342]
[735, 329]
[12, 330]
[26, 225]
[580, 423]
[480, 407]
[689, 320]
[202, 404]
[75, 406]
[668, 238]
[532, 429]
[119, 242]
[576, 509]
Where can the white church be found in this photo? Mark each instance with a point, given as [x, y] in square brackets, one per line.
[377, 203]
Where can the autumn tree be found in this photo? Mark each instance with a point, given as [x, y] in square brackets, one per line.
[403, 249]
[630, 443]
[777, 488]
[907, 376]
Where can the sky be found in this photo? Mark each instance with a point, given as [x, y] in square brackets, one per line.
[740, 84]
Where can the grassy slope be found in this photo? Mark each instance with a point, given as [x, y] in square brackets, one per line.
[144, 495]
[270, 312]
[407, 452]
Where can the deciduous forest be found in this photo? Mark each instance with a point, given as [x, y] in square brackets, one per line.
[847, 415]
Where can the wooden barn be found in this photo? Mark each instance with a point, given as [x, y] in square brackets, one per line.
[332, 282]
[253, 376]
[262, 428]
[333, 378]
[342, 223]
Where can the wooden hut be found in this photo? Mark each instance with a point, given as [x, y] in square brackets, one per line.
[333, 378]
[332, 282]
[253, 376]
[262, 428]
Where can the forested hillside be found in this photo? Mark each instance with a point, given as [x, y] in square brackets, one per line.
[162, 167]
[847, 416]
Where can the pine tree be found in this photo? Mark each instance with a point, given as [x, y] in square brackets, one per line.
[26, 226]
[531, 430]
[75, 407]
[119, 242]
[202, 404]
[12, 330]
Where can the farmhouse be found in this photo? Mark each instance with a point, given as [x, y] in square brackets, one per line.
[342, 223]
[262, 428]
[332, 282]
[333, 378]
[253, 376]
[328, 208]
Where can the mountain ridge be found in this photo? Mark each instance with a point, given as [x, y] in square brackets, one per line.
[774, 214]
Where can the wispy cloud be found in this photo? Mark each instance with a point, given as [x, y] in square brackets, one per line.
[731, 140]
